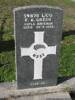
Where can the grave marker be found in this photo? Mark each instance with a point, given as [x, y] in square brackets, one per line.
[37, 36]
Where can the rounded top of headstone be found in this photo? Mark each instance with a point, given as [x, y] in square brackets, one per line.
[36, 6]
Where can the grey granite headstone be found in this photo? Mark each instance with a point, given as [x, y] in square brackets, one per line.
[38, 31]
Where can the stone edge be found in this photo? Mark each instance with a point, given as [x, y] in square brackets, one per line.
[36, 6]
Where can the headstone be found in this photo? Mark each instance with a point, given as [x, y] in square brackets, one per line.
[38, 31]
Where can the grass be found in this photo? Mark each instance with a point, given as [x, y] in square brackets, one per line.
[7, 55]
[67, 57]
[7, 66]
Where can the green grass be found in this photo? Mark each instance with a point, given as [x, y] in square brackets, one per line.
[7, 66]
[67, 53]
[67, 57]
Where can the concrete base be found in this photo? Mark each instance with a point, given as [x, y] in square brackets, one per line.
[9, 91]
[53, 96]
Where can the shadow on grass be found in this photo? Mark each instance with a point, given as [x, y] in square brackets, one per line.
[7, 46]
[65, 78]
[67, 33]
[10, 45]
[3, 22]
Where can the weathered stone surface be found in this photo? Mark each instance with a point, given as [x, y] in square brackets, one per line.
[53, 96]
[8, 90]
[69, 85]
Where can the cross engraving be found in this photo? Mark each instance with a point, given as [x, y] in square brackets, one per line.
[38, 51]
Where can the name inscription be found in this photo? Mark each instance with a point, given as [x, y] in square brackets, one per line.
[38, 21]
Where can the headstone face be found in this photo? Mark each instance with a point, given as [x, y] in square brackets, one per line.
[38, 31]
